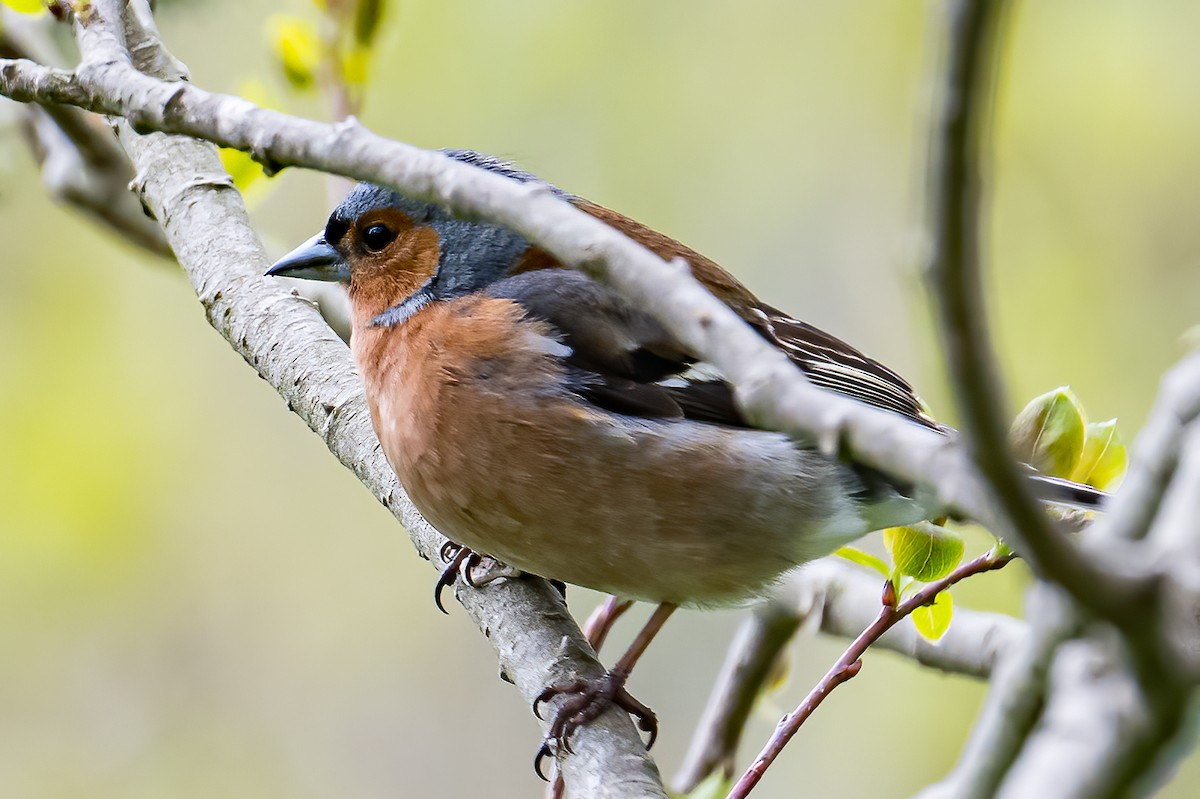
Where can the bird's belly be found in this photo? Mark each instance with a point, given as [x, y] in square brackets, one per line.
[659, 510]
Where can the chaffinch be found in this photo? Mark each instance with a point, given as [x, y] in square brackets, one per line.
[535, 416]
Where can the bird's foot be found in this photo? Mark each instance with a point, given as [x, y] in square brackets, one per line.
[476, 570]
[585, 700]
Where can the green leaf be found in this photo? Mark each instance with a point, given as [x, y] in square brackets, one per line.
[367, 16]
[1049, 433]
[241, 167]
[356, 65]
[1104, 459]
[715, 786]
[26, 6]
[933, 620]
[924, 551]
[864, 559]
[297, 47]
[244, 170]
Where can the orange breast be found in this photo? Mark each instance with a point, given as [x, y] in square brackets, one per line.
[468, 402]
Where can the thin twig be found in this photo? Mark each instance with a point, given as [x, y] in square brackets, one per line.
[82, 165]
[849, 664]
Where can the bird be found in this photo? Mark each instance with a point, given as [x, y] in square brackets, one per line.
[537, 417]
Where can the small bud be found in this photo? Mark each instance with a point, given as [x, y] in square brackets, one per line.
[889, 598]
[1049, 433]
[1104, 458]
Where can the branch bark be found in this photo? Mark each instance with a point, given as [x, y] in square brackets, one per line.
[81, 163]
[774, 394]
[200, 210]
[283, 338]
[957, 288]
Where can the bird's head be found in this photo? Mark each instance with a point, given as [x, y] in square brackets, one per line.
[398, 254]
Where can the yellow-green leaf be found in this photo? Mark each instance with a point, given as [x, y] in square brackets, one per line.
[864, 559]
[241, 167]
[367, 16]
[933, 620]
[1049, 433]
[297, 47]
[26, 6]
[356, 64]
[1104, 459]
[924, 551]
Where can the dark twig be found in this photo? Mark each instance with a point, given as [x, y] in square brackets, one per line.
[850, 663]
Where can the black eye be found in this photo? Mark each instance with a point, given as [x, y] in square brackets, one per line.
[377, 236]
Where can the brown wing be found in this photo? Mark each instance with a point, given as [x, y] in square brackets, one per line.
[617, 357]
[826, 360]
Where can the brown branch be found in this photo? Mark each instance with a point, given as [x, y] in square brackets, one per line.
[850, 663]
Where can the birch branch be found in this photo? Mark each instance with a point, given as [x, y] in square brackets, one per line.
[283, 338]
[1108, 718]
[81, 164]
[773, 392]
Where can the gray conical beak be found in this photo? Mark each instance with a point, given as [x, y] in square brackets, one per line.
[315, 259]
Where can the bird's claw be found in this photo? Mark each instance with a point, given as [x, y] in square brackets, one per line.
[459, 559]
[586, 700]
[476, 570]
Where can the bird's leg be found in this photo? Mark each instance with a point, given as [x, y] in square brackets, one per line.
[587, 699]
[595, 629]
[598, 625]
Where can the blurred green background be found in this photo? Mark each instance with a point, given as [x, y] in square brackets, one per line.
[197, 600]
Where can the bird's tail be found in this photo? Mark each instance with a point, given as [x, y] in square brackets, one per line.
[1074, 495]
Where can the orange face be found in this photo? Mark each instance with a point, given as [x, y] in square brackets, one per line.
[389, 257]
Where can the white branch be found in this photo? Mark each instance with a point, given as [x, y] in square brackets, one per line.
[292, 349]
[182, 182]
[773, 392]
